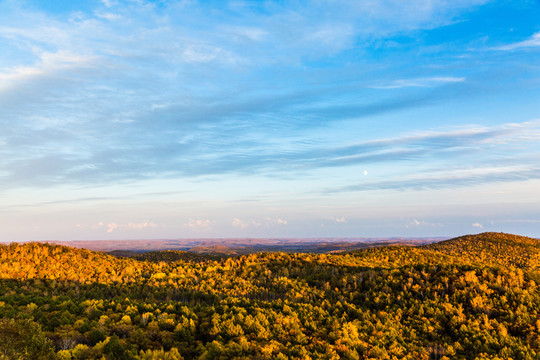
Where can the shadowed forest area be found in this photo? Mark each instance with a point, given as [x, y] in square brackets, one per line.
[473, 297]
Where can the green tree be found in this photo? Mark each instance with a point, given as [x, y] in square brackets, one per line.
[23, 339]
[115, 350]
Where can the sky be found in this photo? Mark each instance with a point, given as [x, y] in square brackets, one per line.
[138, 119]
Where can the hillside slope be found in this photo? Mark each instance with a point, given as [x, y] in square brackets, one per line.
[46, 261]
[493, 249]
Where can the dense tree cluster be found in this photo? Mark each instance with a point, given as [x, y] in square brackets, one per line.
[173, 255]
[473, 297]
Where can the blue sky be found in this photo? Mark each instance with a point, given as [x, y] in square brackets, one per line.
[175, 119]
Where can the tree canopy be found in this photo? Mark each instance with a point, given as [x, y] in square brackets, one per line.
[474, 297]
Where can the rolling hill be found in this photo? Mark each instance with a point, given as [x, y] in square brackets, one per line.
[493, 249]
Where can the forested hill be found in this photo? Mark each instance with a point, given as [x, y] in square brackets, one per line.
[473, 297]
[55, 262]
[493, 249]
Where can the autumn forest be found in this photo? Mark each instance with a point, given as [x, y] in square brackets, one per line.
[472, 297]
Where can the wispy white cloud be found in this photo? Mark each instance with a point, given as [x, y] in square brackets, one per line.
[20, 72]
[478, 225]
[198, 53]
[246, 32]
[275, 221]
[141, 226]
[533, 41]
[338, 220]
[129, 226]
[104, 158]
[240, 224]
[108, 3]
[454, 178]
[415, 222]
[265, 222]
[418, 82]
[418, 223]
[48, 63]
[198, 224]
[108, 16]
[111, 227]
[301, 31]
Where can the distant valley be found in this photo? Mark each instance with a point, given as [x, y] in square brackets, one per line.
[240, 246]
